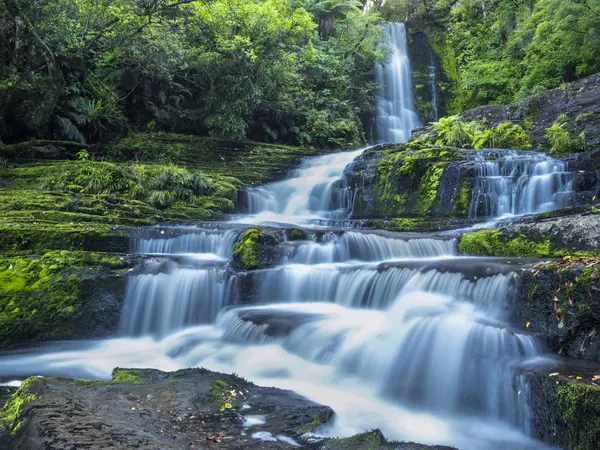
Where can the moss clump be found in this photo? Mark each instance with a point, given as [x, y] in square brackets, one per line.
[373, 440]
[462, 200]
[128, 376]
[246, 251]
[318, 420]
[12, 412]
[580, 407]
[496, 243]
[39, 295]
[296, 235]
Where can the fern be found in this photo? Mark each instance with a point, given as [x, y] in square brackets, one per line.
[69, 131]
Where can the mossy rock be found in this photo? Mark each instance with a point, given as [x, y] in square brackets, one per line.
[12, 412]
[408, 178]
[256, 248]
[42, 296]
[295, 234]
[499, 243]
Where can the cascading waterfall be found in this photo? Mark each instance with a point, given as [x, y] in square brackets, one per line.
[393, 331]
[519, 182]
[396, 116]
[316, 190]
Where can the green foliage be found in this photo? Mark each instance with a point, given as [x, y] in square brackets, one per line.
[158, 185]
[559, 138]
[274, 70]
[454, 132]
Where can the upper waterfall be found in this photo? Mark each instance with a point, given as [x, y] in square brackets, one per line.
[396, 116]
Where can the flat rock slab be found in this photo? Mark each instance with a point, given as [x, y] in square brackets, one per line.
[187, 409]
[159, 410]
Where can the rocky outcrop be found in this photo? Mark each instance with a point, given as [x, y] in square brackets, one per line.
[579, 101]
[192, 408]
[559, 301]
[61, 295]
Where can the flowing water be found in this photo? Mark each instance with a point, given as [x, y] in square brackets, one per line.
[512, 183]
[393, 331]
[396, 116]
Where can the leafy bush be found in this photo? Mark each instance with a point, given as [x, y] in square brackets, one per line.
[560, 139]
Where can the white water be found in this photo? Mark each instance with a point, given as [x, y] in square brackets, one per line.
[518, 183]
[316, 190]
[396, 116]
[418, 347]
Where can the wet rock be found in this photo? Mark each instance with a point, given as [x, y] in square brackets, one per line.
[571, 233]
[559, 301]
[565, 409]
[192, 408]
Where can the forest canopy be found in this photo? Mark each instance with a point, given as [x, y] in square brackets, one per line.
[293, 71]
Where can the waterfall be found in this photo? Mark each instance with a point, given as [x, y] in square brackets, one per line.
[392, 330]
[433, 87]
[517, 183]
[396, 116]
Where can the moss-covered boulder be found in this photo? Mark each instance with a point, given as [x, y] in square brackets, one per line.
[406, 181]
[60, 294]
[256, 248]
[566, 410]
[560, 302]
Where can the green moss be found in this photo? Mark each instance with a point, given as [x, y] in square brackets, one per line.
[496, 243]
[39, 295]
[429, 188]
[580, 407]
[457, 98]
[408, 178]
[373, 440]
[462, 200]
[252, 163]
[246, 251]
[296, 235]
[129, 376]
[13, 409]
